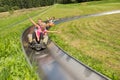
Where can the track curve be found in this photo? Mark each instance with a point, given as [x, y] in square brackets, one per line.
[55, 64]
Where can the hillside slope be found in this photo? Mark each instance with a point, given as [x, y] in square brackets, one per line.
[14, 65]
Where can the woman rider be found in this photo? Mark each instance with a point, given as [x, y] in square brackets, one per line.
[40, 28]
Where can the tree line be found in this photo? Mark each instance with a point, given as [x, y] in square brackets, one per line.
[6, 5]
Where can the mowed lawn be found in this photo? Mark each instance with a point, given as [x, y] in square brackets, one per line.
[94, 41]
[85, 39]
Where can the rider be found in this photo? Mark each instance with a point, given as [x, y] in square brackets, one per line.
[50, 22]
[40, 28]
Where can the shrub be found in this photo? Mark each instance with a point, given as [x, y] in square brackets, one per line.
[2, 9]
[15, 7]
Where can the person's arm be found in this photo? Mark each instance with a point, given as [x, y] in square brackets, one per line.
[33, 22]
[53, 31]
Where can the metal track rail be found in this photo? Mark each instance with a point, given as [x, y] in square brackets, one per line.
[55, 64]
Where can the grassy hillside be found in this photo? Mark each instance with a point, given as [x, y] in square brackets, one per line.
[13, 63]
[94, 41]
[60, 11]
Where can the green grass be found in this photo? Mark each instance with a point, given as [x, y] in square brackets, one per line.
[13, 64]
[68, 10]
[94, 41]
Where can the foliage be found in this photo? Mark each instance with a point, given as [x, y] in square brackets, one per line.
[34, 3]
